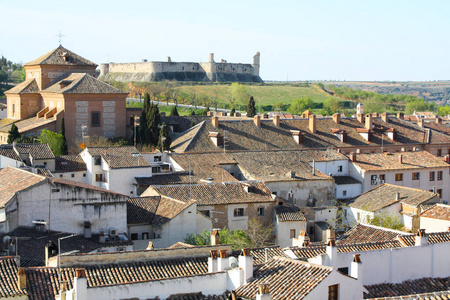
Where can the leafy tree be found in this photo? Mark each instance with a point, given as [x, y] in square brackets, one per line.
[444, 110]
[332, 105]
[387, 220]
[232, 112]
[320, 85]
[198, 239]
[62, 131]
[164, 140]
[204, 112]
[239, 93]
[13, 134]
[54, 140]
[3, 76]
[418, 105]
[174, 111]
[279, 105]
[251, 108]
[300, 105]
[192, 112]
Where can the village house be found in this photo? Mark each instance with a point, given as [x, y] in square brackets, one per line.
[436, 218]
[402, 205]
[31, 155]
[419, 169]
[62, 84]
[29, 199]
[289, 222]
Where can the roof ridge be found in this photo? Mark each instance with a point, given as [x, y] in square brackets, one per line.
[26, 172]
[77, 83]
[200, 126]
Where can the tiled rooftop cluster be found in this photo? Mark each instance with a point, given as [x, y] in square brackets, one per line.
[437, 211]
[362, 233]
[120, 157]
[69, 163]
[289, 214]
[8, 278]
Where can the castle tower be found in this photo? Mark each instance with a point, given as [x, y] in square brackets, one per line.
[104, 69]
[255, 65]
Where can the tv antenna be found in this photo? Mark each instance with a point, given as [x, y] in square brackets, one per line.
[60, 36]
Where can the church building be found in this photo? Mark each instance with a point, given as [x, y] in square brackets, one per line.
[63, 84]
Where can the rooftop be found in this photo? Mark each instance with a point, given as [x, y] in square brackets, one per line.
[25, 124]
[363, 233]
[82, 83]
[69, 163]
[385, 195]
[57, 57]
[120, 157]
[289, 214]
[36, 151]
[437, 211]
[13, 180]
[29, 86]
[8, 278]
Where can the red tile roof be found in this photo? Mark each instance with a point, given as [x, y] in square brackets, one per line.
[437, 211]
[9, 278]
[362, 233]
[289, 214]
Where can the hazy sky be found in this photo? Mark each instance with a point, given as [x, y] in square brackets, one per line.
[298, 40]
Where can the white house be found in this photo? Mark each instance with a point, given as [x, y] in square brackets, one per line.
[436, 218]
[289, 223]
[115, 168]
[401, 204]
[28, 199]
[418, 169]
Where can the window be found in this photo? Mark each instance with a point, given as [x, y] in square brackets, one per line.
[373, 179]
[55, 190]
[99, 177]
[382, 178]
[205, 212]
[292, 233]
[333, 292]
[157, 158]
[399, 177]
[432, 176]
[132, 120]
[344, 193]
[97, 160]
[261, 211]
[145, 235]
[95, 119]
[134, 236]
[439, 175]
[439, 192]
[339, 168]
[238, 212]
[72, 175]
[416, 176]
[439, 152]
[358, 216]
[45, 163]
[61, 175]
[343, 270]
[84, 174]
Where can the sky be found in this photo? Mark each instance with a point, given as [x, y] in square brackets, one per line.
[364, 40]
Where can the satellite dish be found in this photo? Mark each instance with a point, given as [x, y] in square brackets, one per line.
[233, 263]
[6, 239]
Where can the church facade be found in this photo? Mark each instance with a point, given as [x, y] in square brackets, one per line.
[62, 84]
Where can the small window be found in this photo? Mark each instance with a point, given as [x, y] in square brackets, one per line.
[182, 68]
[157, 158]
[439, 152]
[55, 190]
[382, 178]
[95, 119]
[373, 177]
[358, 216]
[343, 270]
[205, 212]
[344, 193]
[261, 211]
[439, 175]
[45, 163]
[134, 236]
[97, 160]
[339, 168]
[84, 174]
[292, 233]
[333, 292]
[145, 235]
[432, 176]
[99, 177]
[238, 212]
[132, 120]
[61, 175]
[415, 176]
[399, 177]
[72, 175]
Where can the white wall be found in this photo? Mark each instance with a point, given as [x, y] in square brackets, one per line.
[320, 189]
[240, 222]
[352, 190]
[282, 231]
[122, 180]
[176, 229]
[366, 216]
[78, 176]
[9, 162]
[331, 167]
[397, 265]
[349, 288]
[434, 225]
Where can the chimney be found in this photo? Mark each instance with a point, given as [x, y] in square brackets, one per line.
[439, 120]
[263, 292]
[400, 116]
[375, 115]
[215, 121]
[257, 120]
[223, 262]
[385, 117]
[312, 123]
[62, 291]
[276, 120]
[215, 238]
[420, 122]
[51, 250]
[21, 279]
[397, 196]
[360, 118]
[368, 123]
[212, 261]
[353, 157]
[331, 234]
[87, 233]
[331, 251]
[447, 158]
[337, 118]
[400, 159]
[302, 241]
[421, 238]
[102, 238]
[246, 264]
[80, 285]
[356, 267]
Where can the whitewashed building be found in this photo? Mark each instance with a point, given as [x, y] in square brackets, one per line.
[288, 224]
[436, 218]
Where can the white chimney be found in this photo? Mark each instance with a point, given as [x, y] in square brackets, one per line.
[212, 261]
[263, 292]
[223, 261]
[331, 252]
[356, 267]
[80, 285]
[421, 238]
[246, 264]
[215, 238]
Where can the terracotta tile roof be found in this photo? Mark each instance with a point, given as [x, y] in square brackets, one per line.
[8, 151]
[362, 233]
[437, 211]
[43, 282]
[9, 278]
[82, 83]
[69, 163]
[120, 157]
[55, 57]
[289, 214]
[13, 180]
[181, 245]
[182, 177]
[313, 251]
[154, 210]
[216, 193]
[36, 151]
[385, 195]
[340, 180]
[198, 296]
[44, 172]
[433, 238]
[83, 185]
[410, 287]
[26, 124]
[282, 165]
[390, 161]
[278, 272]
[29, 86]
[443, 128]
[411, 118]
[181, 142]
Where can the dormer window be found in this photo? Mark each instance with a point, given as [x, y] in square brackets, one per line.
[364, 132]
[216, 138]
[298, 136]
[340, 134]
[64, 83]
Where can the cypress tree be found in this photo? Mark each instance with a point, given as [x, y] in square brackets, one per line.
[153, 121]
[13, 134]
[251, 108]
[164, 139]
[174, 111]
[143, 127]
[62, 131]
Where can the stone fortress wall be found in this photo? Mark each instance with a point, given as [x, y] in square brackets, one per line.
[182, 71]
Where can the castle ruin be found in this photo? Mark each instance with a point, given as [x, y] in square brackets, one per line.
[146, 71]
